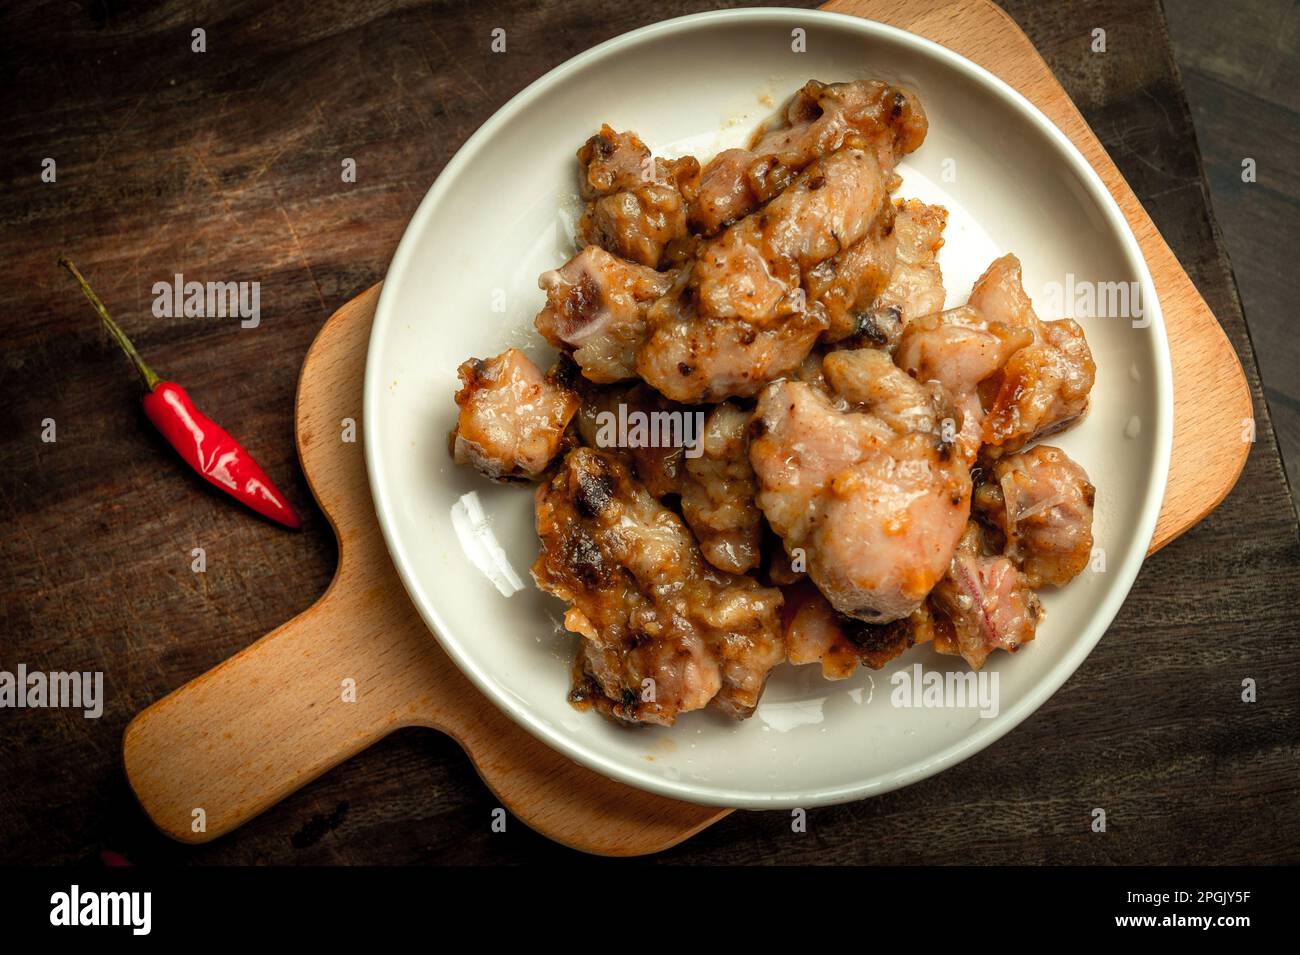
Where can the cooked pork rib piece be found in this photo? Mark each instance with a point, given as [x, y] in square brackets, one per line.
[870, 291]
[845, 287]
[648, 606]
[987, 600]
[751, 269]
[694, 359]
[596, 305]
[1044, 387]
[814, 632]
[612, 163]
[960, 348]
[713, 479]
[733, 184]
[865, 485]
[718, 493]
[512, 417]
[888, 118]
[636, 204]
[915, 285]
[820, 119]
[742, 317]
[1041, 502]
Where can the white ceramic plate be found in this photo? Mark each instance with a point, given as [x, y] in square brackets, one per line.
[464, 282]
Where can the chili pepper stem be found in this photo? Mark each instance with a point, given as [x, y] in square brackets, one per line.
[151, 380]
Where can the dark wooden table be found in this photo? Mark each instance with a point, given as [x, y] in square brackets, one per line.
[225, 165]
[1241, 74]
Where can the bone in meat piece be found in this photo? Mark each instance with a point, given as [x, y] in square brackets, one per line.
[1044, 387]
[820, 119]
[864, 483]
[663, 632]
[1041, 501]
[988, 602]
[512, 418]
[915, 286]
[636, 204]
[712, 477]
[960, 349]
[596, 306]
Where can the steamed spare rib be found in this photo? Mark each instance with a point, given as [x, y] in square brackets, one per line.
[693, 359]
[819, 120]
[814, 632]
[844, 288]
[636, 204]
[742, 316]
[718, 493]
[915, 286]
[662, 631]
[713, 480]
[1041, 503]
[596, 305]
[751, 270]
[960, 349]
[863, 482]
[512, 418]
[1044, 387]
[817, 633]
[988, 603]
[871, 290]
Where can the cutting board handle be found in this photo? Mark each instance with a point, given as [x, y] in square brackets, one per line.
[305, 697]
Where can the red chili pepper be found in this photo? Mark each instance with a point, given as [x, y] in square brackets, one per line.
[205, 445]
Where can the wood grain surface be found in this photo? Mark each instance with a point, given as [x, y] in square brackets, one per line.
[1241, 75]
[224, 166]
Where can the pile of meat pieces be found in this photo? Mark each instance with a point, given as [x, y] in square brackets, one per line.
[864, 480]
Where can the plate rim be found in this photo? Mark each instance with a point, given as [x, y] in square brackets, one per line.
[986, 732]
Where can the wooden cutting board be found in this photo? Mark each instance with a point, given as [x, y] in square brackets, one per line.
[272, 718]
